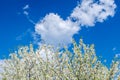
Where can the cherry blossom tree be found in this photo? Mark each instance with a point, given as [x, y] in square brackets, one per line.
[47, 63]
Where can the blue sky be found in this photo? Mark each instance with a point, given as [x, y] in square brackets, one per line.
[16, 28]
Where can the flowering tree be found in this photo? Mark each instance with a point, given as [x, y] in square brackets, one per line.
[47, 63]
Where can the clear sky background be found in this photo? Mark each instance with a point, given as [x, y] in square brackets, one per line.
[28, 21]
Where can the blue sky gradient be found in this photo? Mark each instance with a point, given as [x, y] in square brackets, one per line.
[16, 30]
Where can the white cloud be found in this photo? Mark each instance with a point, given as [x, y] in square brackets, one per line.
[23, 35]
[88, 12]
[117, 55]
[114, 48]
[26, 7]
[25, 13]
[54, 30]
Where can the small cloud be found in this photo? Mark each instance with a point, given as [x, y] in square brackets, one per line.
[23, 35]
[26, 7]
[18, 38]
[114, 49]
[117, 55]
[26, 13]
[105, 61]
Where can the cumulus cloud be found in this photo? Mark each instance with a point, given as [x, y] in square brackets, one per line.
[54, 30]
[88, 12]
